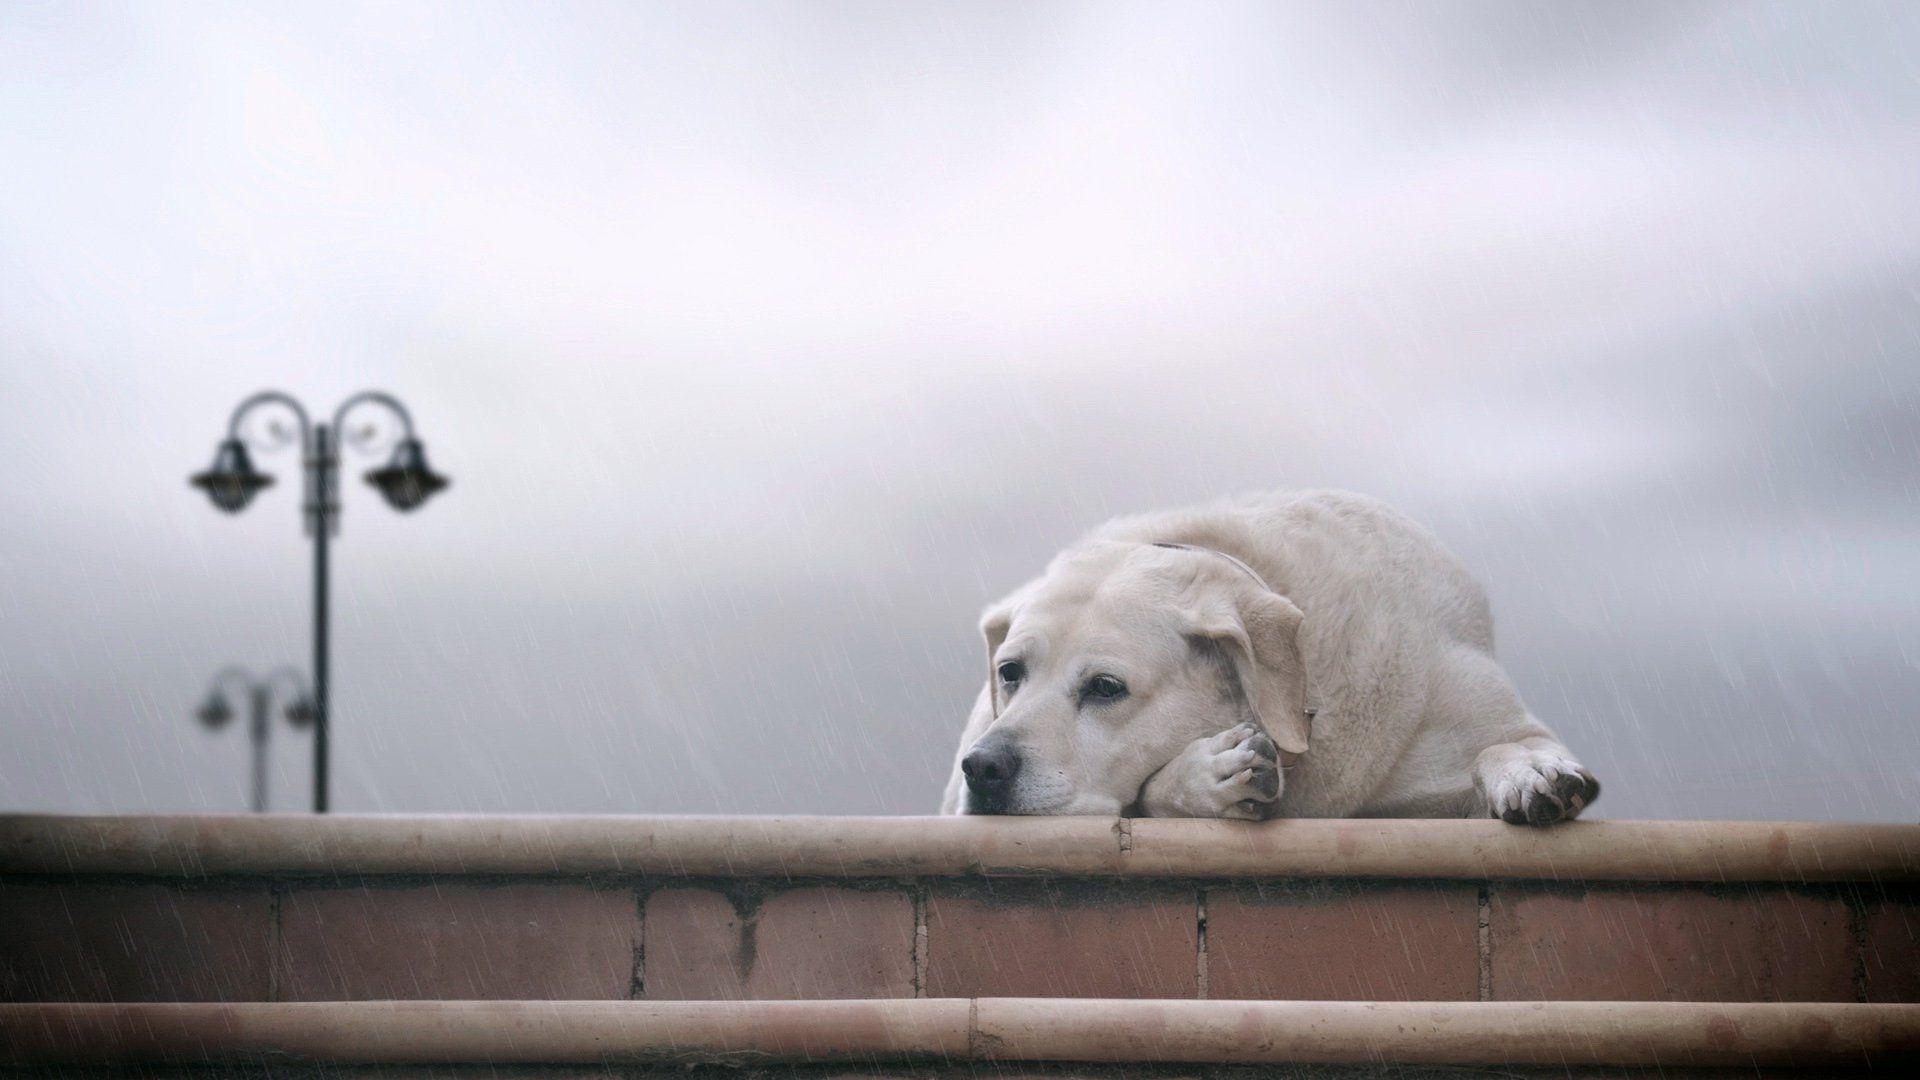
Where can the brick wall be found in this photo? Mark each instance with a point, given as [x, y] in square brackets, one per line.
[298, 938]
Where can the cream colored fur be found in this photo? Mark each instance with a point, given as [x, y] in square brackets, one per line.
[1368, 622]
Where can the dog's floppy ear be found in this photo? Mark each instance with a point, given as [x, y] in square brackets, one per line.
[1260, 631]
[995, 622]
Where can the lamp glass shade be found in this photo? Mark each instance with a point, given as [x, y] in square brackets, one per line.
[406, 481]
[232, 481]
[299, 712]
[215, 712]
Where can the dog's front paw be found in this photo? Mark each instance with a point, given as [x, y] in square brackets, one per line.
[1235, 774]
[1535, 787]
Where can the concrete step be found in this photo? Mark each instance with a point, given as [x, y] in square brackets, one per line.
[984, 1030]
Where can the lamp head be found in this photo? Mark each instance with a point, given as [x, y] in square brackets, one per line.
[300, 711]
[407, 481]
[215, 712]
[232, 481]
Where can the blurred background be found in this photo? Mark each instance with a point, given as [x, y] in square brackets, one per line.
[766, 344]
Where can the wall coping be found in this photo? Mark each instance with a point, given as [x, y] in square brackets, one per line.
[1559, 1033]
[293, 845]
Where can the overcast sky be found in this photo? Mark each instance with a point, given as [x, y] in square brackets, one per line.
[766, 344]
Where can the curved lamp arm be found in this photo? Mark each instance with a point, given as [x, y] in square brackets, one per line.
[217, 709]
[374, 397]
[268, 397]
[289, 678]
[226, 675]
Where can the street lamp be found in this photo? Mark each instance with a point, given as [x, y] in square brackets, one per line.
[405, 482]
[217, 710]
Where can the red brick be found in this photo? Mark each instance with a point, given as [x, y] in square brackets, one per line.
[1039, 939]
[1670, 943]
[1321, 942]
[1892, 954]
[801, 943]
[140, 942]
[537, 941]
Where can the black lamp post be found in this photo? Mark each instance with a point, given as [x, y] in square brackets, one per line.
[217, 710]
[406, 481]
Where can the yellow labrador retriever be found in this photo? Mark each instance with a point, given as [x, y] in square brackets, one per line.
[1301, 654]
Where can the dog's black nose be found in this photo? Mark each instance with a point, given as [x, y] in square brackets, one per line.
[990, 769]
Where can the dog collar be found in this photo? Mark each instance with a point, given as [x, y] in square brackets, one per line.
[1244, 568]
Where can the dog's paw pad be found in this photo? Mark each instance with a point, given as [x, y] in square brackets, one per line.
[1542, 789]
[1247, 769]
[1246, 810]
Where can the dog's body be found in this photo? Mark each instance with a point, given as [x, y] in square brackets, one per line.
[1169, 663]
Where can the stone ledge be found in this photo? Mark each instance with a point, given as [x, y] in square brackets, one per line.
[853, 847]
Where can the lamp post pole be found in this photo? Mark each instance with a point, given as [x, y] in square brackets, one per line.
[216, 711]
[257, 733]
[405, 482]
[321, 466]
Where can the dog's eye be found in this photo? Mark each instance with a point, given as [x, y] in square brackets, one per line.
[1105, 688]
[1012, 672]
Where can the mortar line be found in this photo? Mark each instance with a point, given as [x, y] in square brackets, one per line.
[637, 979]
[273, 941]
[1484, 943]
[1200, 973]
[1856, 903]
[920, 940]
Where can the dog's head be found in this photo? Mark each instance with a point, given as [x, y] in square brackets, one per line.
[1107, 666]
